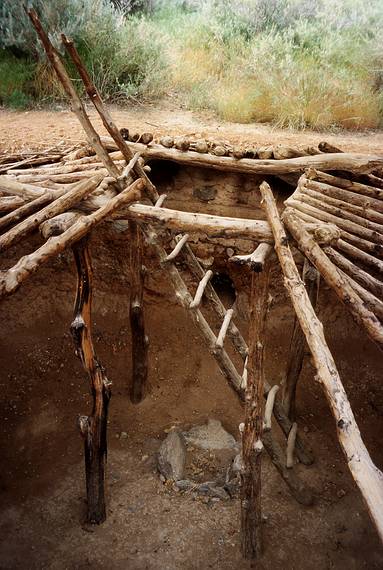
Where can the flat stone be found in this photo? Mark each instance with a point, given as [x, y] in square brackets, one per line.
[184, 484]
[211, 436]
[205, 193]
[172, 456]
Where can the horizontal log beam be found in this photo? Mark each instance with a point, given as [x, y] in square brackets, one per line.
[360, 163]
[215, 226]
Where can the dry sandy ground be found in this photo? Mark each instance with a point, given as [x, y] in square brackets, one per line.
[32, 129]
[149, 527]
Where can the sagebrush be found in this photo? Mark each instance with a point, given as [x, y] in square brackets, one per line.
[296, 63]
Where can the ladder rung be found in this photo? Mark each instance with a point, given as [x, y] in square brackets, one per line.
[269, 407]
[200, 290]
[160, 200]
[224, 327]
[173, 254]
[244, 375]
[291, 445]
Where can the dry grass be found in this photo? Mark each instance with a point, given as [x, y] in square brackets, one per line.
[321, 74]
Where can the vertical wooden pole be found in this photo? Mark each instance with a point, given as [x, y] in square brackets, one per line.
[298, 344]
[94, 427]
[251, 513]
[137, 321]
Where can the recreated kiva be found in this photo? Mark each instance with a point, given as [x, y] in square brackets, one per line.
[334, 217]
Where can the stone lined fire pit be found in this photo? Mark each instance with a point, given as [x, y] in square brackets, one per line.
[203, 461]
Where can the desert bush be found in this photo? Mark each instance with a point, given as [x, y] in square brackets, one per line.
[123, 55]
[296, 63]
[16, 85]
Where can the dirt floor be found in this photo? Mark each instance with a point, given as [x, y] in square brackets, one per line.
[149, 525]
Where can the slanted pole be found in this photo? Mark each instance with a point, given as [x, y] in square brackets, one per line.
[367, 476]
[298, 345]
[94, 427]
[252, 446]
[136, 314]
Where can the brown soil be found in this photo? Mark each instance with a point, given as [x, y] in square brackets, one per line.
[32, 129]
[149, 526]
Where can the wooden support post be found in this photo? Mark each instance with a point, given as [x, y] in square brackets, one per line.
[252, 446]
[94, 427]
[367, 476]
[298, 345]
[137, 319]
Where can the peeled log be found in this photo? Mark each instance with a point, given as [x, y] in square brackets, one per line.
[217, 226]
[346, 161]
[77, 106]
[9, 203]
[362, 277]
[369, 208]
[11, 279]
[356, 187]
[62, 203]
[334, 279]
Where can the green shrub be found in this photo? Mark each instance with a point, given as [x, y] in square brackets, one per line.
[296, 63]
[16, 85]
[258, 61]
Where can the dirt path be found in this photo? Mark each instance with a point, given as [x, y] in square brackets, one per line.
[34, 129]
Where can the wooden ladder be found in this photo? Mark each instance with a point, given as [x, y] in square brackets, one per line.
[205, 289]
